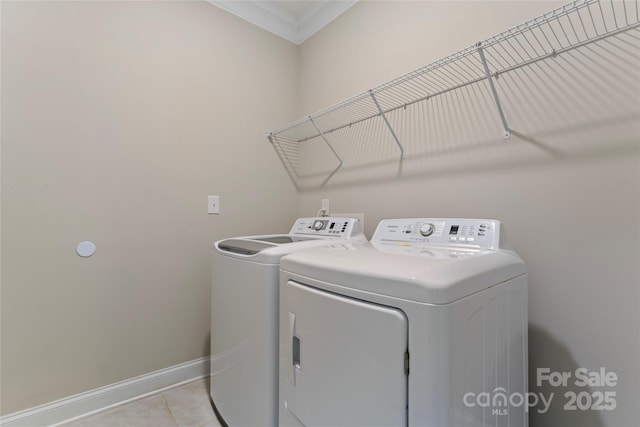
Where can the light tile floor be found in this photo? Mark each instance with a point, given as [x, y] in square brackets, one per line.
[184, 406]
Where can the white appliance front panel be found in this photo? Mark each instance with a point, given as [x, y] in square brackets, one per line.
[344, 361]
[244, 330]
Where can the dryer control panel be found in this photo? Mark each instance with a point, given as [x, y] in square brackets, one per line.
[478, 233]
[327, 227]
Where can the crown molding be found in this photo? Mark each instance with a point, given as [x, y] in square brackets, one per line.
[283, 24]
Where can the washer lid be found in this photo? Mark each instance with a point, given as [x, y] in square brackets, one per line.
[244, 247]
[415, 272]
[258, 244]
[305, 233]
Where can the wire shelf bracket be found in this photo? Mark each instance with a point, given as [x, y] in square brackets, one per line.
[494, 92]
[395, 137]
[326, 141]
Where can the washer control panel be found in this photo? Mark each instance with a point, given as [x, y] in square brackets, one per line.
[327, 226]
[482, 233]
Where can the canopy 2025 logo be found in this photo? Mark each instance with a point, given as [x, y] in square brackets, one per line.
[499, 400]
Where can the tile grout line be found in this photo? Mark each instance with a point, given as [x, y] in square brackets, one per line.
[166, 404]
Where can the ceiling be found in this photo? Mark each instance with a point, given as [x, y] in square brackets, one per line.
[295, 21]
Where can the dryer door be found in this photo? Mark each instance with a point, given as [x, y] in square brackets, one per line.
[344, 362]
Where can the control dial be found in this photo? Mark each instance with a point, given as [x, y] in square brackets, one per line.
[427, 229]
[317, 225]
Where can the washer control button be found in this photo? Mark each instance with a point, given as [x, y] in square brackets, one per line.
[427, 229]
[318, 225]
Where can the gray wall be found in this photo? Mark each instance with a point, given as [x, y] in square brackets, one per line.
[118, 119]
[567, 189]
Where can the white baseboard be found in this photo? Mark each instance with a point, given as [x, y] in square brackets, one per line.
[96, 400]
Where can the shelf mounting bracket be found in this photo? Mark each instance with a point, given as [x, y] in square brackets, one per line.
[375, 101]
[494, 92]
[326, 141]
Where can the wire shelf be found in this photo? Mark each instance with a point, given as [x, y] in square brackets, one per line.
[479, 67]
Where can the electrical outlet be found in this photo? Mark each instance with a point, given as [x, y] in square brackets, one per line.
[213, 206]
[325, 206]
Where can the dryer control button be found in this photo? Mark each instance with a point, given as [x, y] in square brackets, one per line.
[318, 225]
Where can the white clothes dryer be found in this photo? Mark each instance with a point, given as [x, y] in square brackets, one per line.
[244, 317]
[426, 325]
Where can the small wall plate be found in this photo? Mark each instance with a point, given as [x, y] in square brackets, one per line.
[86, 249]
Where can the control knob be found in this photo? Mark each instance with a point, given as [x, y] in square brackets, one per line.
[427, 229]
[317, 225]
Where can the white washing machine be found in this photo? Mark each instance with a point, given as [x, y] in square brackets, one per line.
[244, 318]
[426, 325]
